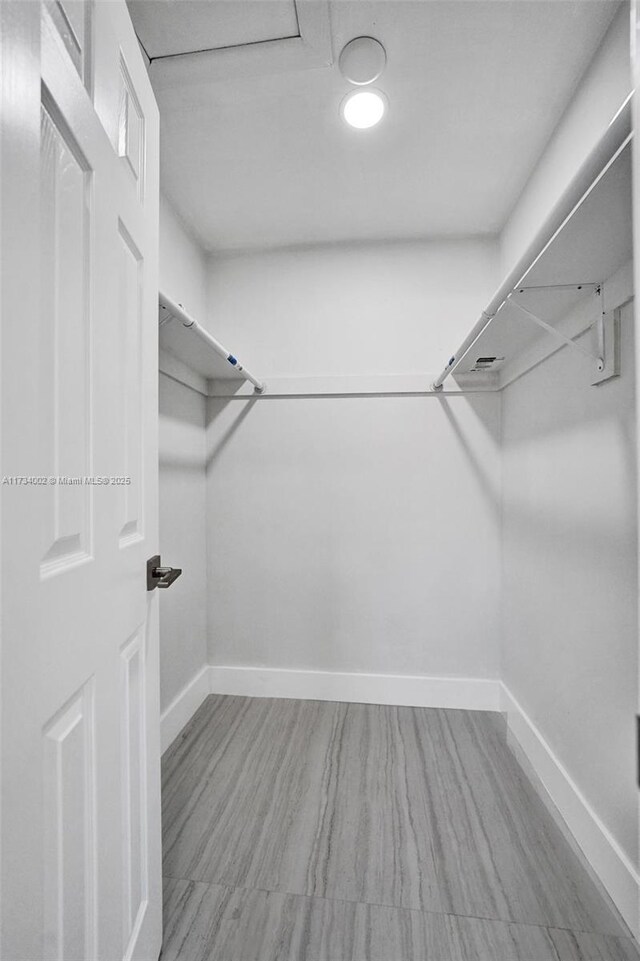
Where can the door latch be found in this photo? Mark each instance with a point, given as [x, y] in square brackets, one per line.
[158, 576]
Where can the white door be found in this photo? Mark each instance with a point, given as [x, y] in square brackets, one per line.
[80, 844]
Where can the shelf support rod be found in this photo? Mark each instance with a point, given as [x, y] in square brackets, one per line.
[177, 311]
[557, 333]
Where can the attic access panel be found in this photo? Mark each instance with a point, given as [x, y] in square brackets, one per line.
[174, 27]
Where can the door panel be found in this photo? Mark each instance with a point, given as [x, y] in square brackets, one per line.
[130, 320]
[65, 337]
[70, 843]
[131, 132]
[72, 19]
[78, 392]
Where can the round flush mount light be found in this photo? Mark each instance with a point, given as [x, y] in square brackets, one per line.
[362, 60]
[363, 108]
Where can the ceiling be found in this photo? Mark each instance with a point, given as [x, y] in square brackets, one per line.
[254, 152]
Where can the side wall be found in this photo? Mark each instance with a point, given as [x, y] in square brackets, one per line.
[353, 534]
[570, 642]
[183, 641]
[569, 630]
[602, 90]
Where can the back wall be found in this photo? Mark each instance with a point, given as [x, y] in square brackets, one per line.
[359, 533]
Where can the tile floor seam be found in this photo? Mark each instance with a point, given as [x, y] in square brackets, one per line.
[399, 907]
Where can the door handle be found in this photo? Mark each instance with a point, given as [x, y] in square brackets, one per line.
[166, 575]
[158, 576]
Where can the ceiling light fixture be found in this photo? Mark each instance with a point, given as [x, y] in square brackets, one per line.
[362, 60]
[364, 108]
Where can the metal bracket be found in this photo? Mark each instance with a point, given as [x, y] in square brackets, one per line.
[608, 327]
[599, 358]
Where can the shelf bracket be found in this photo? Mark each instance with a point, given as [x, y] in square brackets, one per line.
[598, 358]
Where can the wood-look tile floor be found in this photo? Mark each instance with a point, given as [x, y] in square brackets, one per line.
[317, 831]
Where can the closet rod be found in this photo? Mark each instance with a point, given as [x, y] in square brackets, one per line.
[191, 324]
[615, 138]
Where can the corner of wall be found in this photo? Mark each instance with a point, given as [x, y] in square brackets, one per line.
[183, 276]
[183, 259]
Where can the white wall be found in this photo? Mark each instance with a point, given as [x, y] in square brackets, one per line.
[353, 533]
[601, 92]
[570, 648]
[569, 586]
[359, 309]
[183, 264]
[183, 637]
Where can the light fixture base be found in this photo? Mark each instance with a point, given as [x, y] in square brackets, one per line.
[362, 61]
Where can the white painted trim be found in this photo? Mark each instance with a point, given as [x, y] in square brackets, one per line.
[470, 693]
[183, 707]
[614, 869]
[466, 693]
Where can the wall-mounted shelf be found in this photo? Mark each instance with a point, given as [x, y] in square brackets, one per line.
[184, 338]
[175, 340]
[594, 244]
[584, 241]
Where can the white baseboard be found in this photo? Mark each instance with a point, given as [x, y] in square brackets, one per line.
[469, 693]
[183, 707]
[472, 694]
[610, 863]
